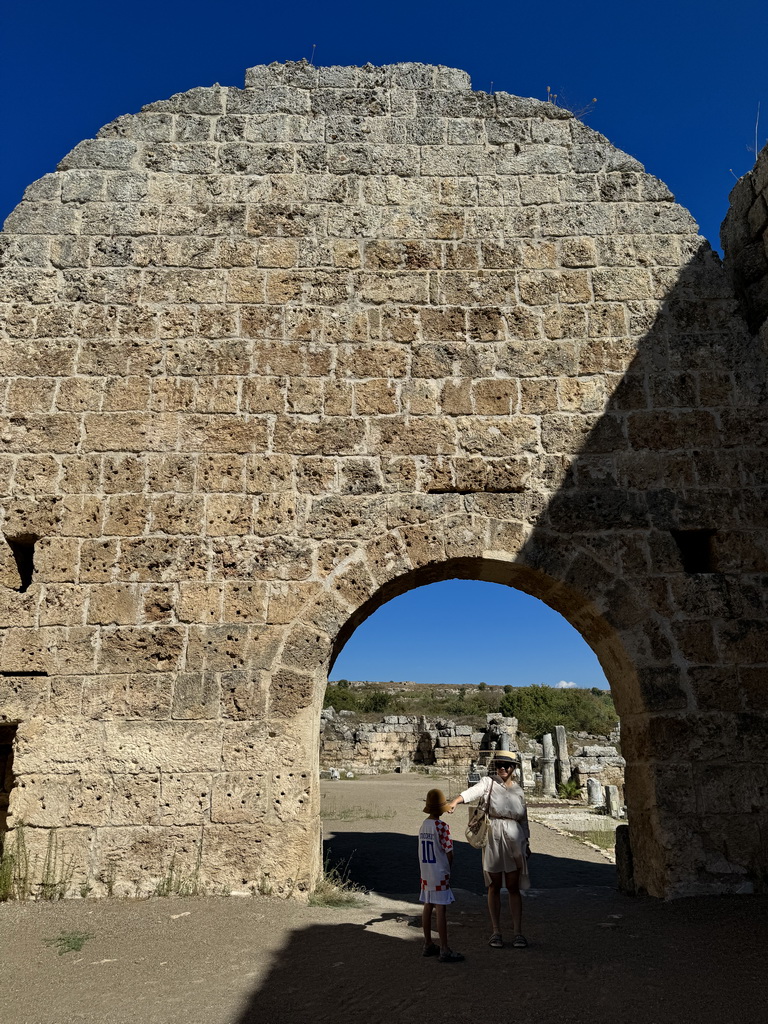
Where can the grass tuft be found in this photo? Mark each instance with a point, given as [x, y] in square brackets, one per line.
[14, 866]
[334, 887]
[175, 883]
[604, 838]
[69, 942]
[57, 871]
[356, 813]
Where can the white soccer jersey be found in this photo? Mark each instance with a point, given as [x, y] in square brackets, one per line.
[434, 846]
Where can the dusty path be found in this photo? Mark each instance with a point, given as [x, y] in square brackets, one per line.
[595, 956]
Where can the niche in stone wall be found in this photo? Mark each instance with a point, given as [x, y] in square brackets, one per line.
[23, 552]
[697, 550]
[7, 736]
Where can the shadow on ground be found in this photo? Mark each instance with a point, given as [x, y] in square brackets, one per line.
[594, 956]
[386, 862]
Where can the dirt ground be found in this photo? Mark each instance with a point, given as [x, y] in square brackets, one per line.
[595, 956]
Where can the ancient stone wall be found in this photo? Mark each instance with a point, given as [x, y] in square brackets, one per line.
[397, 741]
[600, 762]
[745, 242]
[272, 356]
[400, 741]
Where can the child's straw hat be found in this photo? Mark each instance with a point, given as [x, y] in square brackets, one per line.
[436, 802]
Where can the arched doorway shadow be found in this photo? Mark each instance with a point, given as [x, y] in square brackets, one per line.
[386, 863]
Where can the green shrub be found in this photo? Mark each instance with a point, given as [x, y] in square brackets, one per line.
[341, 698]
[538, 709]
[569, 790]
[376, 701]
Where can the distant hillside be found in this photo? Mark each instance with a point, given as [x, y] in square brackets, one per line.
[538, 709]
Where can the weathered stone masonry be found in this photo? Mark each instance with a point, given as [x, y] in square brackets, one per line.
[272, 356]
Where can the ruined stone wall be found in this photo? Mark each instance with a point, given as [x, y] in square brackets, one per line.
[270, 357]
[600, 762]
[744, 237]
[396, 741]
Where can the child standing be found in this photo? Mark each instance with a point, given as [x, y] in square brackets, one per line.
[435, 859]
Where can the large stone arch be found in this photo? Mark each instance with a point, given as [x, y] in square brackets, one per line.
[270, 354]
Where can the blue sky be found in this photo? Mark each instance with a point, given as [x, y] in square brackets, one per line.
[678, 84]
[465, 631]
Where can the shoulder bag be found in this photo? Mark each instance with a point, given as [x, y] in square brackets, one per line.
[479, 826]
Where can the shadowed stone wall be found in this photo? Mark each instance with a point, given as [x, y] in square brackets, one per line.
[272, 356]
[744, 235]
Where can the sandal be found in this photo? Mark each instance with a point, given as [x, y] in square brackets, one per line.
[495, 941]
[520, 942]
[430, 950]
[449, 957]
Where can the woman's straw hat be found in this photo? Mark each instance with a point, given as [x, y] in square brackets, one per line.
[504, 755]
[436, 802]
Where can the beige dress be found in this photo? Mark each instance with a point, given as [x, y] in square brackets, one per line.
[505, 850]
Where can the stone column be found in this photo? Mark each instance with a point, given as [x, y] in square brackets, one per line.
[612, 801]
[547, 760]
[529, 776]
[563, 760]
[594, 793]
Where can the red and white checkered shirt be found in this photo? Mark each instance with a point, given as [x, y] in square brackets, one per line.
[435, 844]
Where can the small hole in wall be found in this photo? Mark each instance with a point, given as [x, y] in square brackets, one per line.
[697, 550]
[23, 550]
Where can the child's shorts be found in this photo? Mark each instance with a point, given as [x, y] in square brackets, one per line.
[443, 895]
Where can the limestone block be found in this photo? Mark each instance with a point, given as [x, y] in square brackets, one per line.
[594, 792]
[223, 648]
[172, 514]
[240, 797]
[28, 650]
[267, 558]
[243, 695]
[139, 856]
[149, 695]
[289, 692]
[158, 603]
[67, 851]
[42, 800]
[257, 858]
[147, 649]
[185, 799]
[113, 604]
[23, 697]
[135, 799]
[65, 696]
[244, 602]
[246, 747]
[105, 696]
[148, 747]
[91, 799]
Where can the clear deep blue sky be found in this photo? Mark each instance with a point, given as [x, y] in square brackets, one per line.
[678, 85]
[465, 631]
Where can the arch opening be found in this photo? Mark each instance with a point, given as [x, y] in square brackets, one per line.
[397, 738]
[580, 613]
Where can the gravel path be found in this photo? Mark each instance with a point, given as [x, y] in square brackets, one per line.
[595, 955]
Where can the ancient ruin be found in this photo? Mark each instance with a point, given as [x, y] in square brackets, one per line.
[274, 355]
[401, 743]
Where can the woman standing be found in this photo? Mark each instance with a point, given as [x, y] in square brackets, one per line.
[505, 857]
